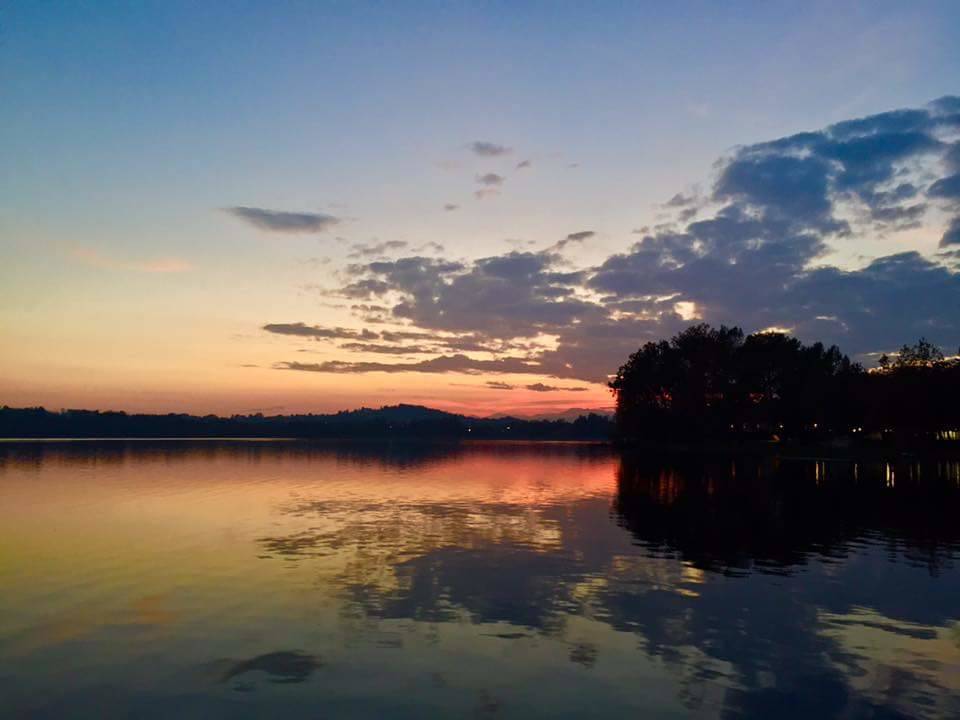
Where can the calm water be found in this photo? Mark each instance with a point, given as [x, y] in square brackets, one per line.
[262, 579]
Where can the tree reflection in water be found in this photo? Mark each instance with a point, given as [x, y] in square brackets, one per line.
[772, 579]
[207, 579]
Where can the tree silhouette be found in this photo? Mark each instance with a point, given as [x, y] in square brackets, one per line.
[716, 384]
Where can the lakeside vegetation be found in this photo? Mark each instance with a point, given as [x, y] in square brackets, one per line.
[704, 388]
[393, 422]
[715, 385]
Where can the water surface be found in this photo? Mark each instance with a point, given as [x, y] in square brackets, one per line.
[282, 579]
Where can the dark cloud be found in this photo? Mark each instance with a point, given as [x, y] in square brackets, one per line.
[540, 387]
[443, 364]
[364, 289]
[790, 190]
[433, 246]
[524, 164]
[952, 234]
[680, 200]
[574, 237]
[317, 332]
[504, 296]
[404, 335]
[900, 217]
[761, 258]
[389, 349]
[496, 385]
[450, 207]
[490, 179]
[902, 121]
[489, 149]
[947, 105]
[366, 308]
[947, 188]
[800, 179]
[952, 157]
[285, 222]
[360, 250]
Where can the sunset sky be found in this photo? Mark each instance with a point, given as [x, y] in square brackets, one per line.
[477, 206]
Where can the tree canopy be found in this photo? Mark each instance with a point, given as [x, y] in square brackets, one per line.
[711, 382]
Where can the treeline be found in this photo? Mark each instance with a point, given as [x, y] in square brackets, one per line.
[715, 384]
[399, 421]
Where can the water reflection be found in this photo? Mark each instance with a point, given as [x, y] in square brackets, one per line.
[289, 666]
[869, 564]
[507, 580]
[770, 515]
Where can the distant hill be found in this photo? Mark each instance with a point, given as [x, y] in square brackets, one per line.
[568, 415]
[401, 413]
[393, 421]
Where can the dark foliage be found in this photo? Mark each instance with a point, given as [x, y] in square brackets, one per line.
[715, 384]
[398, 421]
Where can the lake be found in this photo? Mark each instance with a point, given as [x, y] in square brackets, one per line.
[267, 579]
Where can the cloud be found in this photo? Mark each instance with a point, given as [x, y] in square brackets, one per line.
[574, 237]
[900, 217]
[389, 349]
[952, 234]
[282, 221]
[540, 387]
[318, 332]
[364, 289]
[395, 342]
[432, 246]
[489, 149]
[947, 188]
[501, 296]
[490, 179]
[444, 364]
[450, 207]
[95, 258]
[496, 385]
[360, 250]
[792, 190]
[952, 157]
[403, 335]
[761, 254]
[680, 200]
[524, 164]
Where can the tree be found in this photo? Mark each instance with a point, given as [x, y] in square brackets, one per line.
[923, 354]
[711, 383]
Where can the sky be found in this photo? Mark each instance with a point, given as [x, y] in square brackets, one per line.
[479, 206]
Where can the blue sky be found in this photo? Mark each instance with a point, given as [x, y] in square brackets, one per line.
[127, 128]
